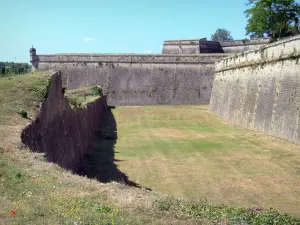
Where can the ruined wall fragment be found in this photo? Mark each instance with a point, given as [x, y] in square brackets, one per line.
[64, 134]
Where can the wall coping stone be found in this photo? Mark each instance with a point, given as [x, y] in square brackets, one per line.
[280, 50]
[130, 58]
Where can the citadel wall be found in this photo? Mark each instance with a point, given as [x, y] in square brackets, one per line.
[197, 46]
[260, 89]
[132, 79]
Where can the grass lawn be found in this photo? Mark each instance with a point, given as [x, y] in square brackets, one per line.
[188, 152]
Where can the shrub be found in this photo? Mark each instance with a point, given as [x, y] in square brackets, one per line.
[96, 90]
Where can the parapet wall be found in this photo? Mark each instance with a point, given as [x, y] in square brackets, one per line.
[64, 134]
[181, 47]
[238, 46]
[132, 79]
[260, 89]
[193, 46]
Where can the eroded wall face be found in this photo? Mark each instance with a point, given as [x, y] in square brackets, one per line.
[260, 90]
[64, 134]
[165, 80]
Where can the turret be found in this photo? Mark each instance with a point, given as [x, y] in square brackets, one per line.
[34, 58]
[32, 54]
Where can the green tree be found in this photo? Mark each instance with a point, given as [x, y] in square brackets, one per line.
[221, 35]
[272, 18]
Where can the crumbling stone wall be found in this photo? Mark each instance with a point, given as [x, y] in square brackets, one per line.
[260, 89]
[64, 134]
[132, 79]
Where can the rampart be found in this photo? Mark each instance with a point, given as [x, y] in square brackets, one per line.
[260, 89]
[132, 79]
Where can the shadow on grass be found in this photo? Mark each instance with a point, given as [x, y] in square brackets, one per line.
[100, 162]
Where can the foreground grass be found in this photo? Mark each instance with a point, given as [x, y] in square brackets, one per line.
[38, 192]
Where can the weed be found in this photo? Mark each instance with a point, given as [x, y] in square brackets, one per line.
[218, 213]
[96, 90]
[23, 113]
[84, 211]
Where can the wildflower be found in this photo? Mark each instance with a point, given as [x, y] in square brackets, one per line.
[7, 150]
[13, 212]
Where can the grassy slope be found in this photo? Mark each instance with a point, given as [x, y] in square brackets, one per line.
[44, 193]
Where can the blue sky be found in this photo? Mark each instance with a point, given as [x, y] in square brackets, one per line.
[111, 26]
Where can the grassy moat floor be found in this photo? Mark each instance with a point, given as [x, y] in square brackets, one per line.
[188, 152]
[179, 151]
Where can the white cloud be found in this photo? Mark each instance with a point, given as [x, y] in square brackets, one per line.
[88, 39]
[147, 51]
[93, 28]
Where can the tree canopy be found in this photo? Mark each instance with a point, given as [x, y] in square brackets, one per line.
[272, 18]
[221, 35]
[7, 68]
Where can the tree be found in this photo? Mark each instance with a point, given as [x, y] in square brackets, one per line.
[221, 35]
[272, 18]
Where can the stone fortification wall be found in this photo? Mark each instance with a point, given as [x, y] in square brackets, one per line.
[260, 89]
[210, 47]
[193, 46]
[237, 46]
[181, 47]
[64, 134]
[132, 79]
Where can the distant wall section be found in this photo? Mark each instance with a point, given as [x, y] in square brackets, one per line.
[260, 89]
[238, 46]
[132, 79]
[192, 46]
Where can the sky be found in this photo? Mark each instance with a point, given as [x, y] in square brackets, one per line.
[111, 26]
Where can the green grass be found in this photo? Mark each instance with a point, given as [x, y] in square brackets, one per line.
[178, 150]
[23, 92]
[188, 152]
[205, 211]
[81, 97]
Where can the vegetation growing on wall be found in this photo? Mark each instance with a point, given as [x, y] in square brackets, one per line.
[81, 97]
